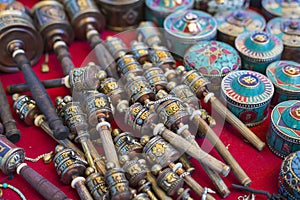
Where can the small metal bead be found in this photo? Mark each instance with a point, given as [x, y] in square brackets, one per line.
[180, 69]
[110, 165]
[58, 99]
[147, 65]
[116, 132]
[171, 85]
[161, 94]
[89, 171]
[124, 159]
[144, 140]
[102, 75]
[15, 96]
[59, 148]
[67, 99]
[156, 169]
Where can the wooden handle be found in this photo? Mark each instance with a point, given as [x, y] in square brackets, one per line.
[41, 97]
[11, 131]
[82, 191]
[197, 153]
[18, 88]
[41, 185]
[223, 151]
[108, 146]
[234, 121]
[64, 57]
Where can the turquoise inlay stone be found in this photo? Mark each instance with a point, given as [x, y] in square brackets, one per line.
[278, 8]
[248, 95]
[258, 49]
[213, 60]
[158, 10]
[285, 75]
[288, 30]
[283, 136]
[185, 28]
[233, 23]
[289, 177]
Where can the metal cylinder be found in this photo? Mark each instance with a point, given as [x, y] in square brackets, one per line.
[96, 184]
[184, 93]
[169, 181]
[125, 144]
[128, 64]
[116, 47]
[51, 21]
[17, 27]
[111, 88]
[149, 34]
[196, 81]
[10, 156]
[135, 170]
[155, 76]
[140, 51]
[82, 14]
[139, 89]
[162, 57]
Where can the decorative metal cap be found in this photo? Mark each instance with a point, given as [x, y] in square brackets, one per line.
[285, 75]
[166, 7]
[259, 46]
[191, 24]
[236, 22]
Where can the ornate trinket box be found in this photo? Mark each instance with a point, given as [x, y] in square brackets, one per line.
[258, 49]
[233, 23]
[283, 135]
[158, 10]
[248, 95]
[280, 8]
[289, 177]
[215, 6]
[285, 76]
[122, 15]
[185, 28]
[288, 30]
[214, 60]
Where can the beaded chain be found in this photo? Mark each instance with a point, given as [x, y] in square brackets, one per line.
[6, 185]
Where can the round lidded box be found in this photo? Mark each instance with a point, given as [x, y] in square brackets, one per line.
[289, 177]
[158, 10]
[279, 8]
[283, 136]
[285, 75]
[185, 28]
[248, 95]
[233, 23]
[258, 49]
[213, 60]
[288, 30]
[215, 6]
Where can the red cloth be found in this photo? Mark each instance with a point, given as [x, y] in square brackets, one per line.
[262, 167]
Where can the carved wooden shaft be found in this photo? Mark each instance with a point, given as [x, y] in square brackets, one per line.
[63, 55]
[40, 95]
[223, 151]
[81, 189]
[107, 142]
[104, 58]
[180, 143]
[11, 131]
[234, 121]
[18, 88]
[216, 179]
[40, 184]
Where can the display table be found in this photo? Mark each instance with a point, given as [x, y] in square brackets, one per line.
[262, 167]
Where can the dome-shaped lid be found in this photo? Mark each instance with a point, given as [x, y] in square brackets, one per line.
[168, 6]
[212, 58]
[285, 75]
[191, 24]
[286, 118]
[236, 22]
[247, 87]
[287, 29]
[259, 45]
[282, 7]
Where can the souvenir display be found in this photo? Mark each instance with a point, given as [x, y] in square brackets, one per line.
[288, 30]
[214, 60]
[215, 6]
[157, 11]
[281, 8]
[122, 15]
[258, 49]
[247, 95]
[283, 135]
[233, 23]
[184, 28]
[289, 177]
[285, 76]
